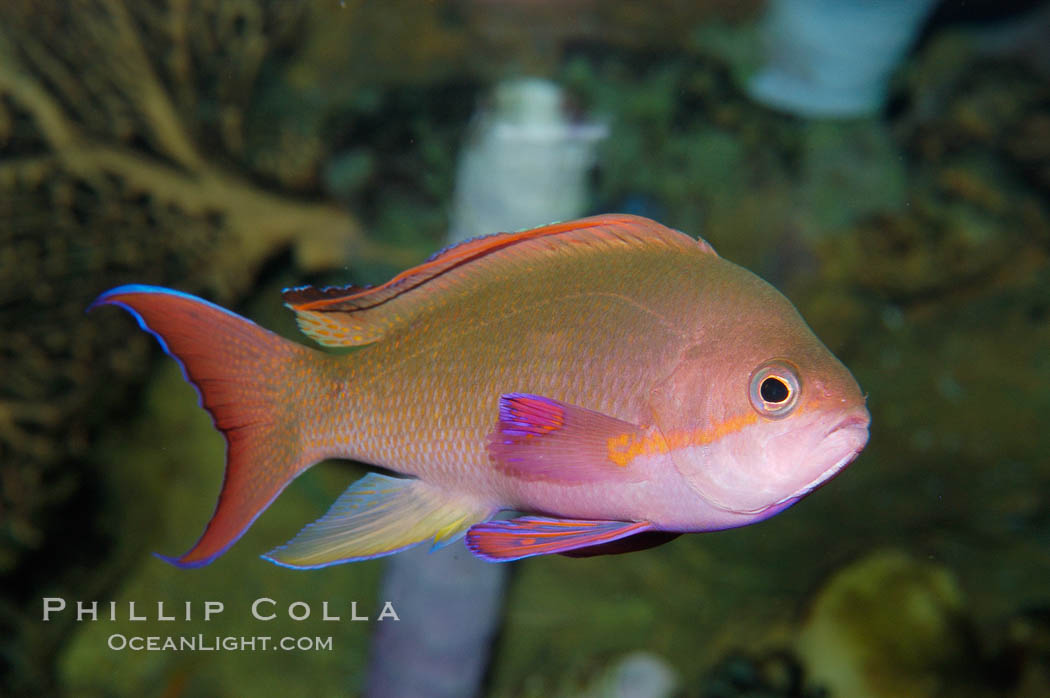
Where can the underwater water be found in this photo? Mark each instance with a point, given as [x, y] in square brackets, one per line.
[894, 184]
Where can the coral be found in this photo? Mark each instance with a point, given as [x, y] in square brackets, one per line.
[936, 298]
[1024, 653]
[122, 159]
[101, 175]
[771, 675]
[407, 42]
[688, 146]
[887, 625]
[964, 108]
[183, 142]
[117, 119]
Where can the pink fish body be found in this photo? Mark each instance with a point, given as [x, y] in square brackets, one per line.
[615, 381]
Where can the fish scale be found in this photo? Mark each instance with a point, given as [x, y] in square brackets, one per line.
[549, 372]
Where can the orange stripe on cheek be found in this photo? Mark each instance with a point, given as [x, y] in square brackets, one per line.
[730, 426]
[624, 448]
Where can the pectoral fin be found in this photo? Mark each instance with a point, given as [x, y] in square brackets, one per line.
[380, 515]
[537, 438]
[503, 541]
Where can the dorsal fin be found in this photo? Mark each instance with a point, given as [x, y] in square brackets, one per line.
[353, 315]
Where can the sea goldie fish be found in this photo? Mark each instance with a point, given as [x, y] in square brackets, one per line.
[611, 380]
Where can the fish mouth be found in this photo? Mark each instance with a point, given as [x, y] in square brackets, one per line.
[807, 462]
[851, 433]
[857, 419]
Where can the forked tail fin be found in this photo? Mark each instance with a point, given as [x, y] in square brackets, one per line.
[246, 377]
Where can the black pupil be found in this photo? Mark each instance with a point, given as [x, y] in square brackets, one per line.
[774, 390]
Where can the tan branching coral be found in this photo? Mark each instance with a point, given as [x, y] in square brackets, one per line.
[85, 79]
[122, 159]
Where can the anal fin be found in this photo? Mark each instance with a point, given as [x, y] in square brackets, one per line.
[380, 515]
[525, 536]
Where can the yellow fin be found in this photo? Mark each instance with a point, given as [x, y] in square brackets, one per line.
[338, 329]
[380, 515]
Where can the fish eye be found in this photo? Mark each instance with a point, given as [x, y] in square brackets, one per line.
[775, 388]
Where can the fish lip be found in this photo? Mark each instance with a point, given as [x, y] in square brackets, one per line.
[855, 419]
[858, 420]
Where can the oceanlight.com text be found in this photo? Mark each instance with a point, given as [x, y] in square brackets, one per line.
[201, 642]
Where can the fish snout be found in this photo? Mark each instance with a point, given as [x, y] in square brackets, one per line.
[855, 423]
[841, 445]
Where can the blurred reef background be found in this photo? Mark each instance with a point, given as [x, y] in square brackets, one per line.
[229, 148]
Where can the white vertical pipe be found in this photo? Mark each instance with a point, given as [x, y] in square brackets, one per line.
[525, 164]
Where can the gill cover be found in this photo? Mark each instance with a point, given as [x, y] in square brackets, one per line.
[717, 440]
